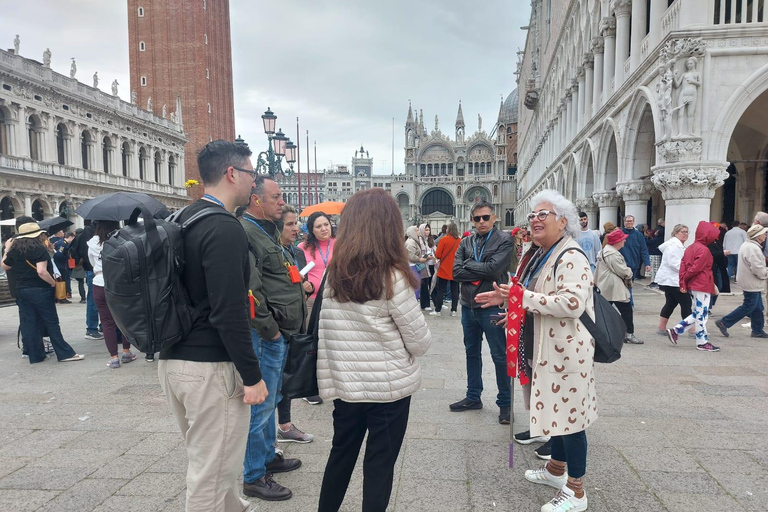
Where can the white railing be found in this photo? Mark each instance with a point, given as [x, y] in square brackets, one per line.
[644, 46]
[739, 12]
[671, 19]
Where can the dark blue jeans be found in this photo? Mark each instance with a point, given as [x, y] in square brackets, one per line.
[571, 449]
[37, 310]
[751, 307]
[475, 323]
[260, 450]
[91, 312]
[733, 264]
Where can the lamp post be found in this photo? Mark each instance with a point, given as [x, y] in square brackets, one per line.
[280, 146]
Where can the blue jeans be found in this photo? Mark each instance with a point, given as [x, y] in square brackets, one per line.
[751, 307]
[572, 449]
[733, 264]
[37, 311]
[475, 323]
[91, 312]
[261, 435]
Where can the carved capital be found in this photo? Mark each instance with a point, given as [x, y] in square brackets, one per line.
[597, 45]
[588, 61]
[608, 27]
[585, 204]
[622, 7]
[580, 74]
[679, 150]
[637, 190]
[568, 94]
[606, 198]
[689, 183]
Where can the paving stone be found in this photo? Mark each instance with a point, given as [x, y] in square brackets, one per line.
[43, 478]
[435, 494]
[626, 502]
[18, 500]
[685, 483]
[157, 443]
[39, 443]
[10, 464]
[677, 501]
[76, 458]
[174, 461]
[133, 504]
[438, 460]
[84, 495]
[155, 484]
[125, 467]
[669, 459]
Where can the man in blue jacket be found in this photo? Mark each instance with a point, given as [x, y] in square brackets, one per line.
[635, 250]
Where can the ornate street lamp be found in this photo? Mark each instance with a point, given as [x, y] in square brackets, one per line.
[270, 161]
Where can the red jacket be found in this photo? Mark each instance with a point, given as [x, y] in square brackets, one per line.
[446, 253]
[696, 265]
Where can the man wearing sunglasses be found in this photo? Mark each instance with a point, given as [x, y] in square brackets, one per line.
[481, 260]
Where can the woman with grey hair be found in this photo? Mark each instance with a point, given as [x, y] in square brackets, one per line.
[556, 289]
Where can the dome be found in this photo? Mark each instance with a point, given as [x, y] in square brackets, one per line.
[509, 111]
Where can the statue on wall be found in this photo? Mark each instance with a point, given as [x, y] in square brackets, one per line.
[174, 118]
[436, 124]
[149, 103]
[114, 87]
[16, 44]
[47, 58]
[134, 97]
[96, 80]
[479, 123]
[73, 69]
[165, 111]
[664, 91]
[688, 98]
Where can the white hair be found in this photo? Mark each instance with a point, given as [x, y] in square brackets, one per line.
[563, 208]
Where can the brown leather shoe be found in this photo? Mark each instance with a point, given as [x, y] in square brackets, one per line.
[282, 465]
[265, 488]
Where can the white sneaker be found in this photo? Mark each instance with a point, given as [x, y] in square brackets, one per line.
[435, 313]
[566, 501]
[427, 309]
[453, 313]
[542, 476]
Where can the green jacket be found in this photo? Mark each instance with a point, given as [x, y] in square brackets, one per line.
[280, 304]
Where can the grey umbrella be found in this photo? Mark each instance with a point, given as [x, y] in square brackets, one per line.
[117, 206]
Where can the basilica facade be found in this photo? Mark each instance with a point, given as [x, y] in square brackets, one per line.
[444, 176]
[63, 142]
[650, 108]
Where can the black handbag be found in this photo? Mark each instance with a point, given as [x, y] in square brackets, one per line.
[300, 373]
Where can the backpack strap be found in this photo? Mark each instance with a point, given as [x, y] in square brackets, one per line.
[584, 318]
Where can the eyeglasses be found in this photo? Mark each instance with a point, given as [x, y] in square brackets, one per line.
[478, 218]
[540, 215]
[252, 173]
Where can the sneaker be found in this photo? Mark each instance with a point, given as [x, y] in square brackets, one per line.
[83, 301]
[761, 334]
[465, 405]
[566, 501]
[265, 488]
[504, 416]
[544, 452]
[76, 357]
[293, 435]
[48, 346]
[453, 313]
[426, 309]
[282, 465]
[632, 339]
[24, 356]
[708, 347]
[313, 400]
[64, 301]
[653, 286]
[661, 332]
[93, 335]
[544, 477]
[150, 358]
[435, 313]
[113, 362]
[672, 335]
[127, 357]
[723, 329]
[525, 438]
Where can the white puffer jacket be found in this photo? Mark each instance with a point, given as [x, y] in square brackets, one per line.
[367, 352]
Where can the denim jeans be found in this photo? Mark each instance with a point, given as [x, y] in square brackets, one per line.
[751, 307]
[261, 435]
[733, 264]
[571, 449]
[91, 312]
[37, 311]
[475, 323]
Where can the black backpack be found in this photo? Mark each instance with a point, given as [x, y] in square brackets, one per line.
[608, 329]
[142, 265]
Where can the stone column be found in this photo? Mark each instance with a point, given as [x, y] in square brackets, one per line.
[608, 202]
[27, 205]
[589, 206]
[658, 8]
[636, 194]
[597, 87]
[638, 32]
[622, 9]
[576, 98]
[608, 31]
[588, 86]
[566, 117]
[688, 189]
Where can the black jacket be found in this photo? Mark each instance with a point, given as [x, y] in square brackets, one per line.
[491, 268]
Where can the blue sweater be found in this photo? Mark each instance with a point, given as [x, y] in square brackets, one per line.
[635, 250]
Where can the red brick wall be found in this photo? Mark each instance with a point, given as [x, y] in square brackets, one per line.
[175, 62]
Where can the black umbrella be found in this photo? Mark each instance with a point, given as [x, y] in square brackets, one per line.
[117, 206]
[54, 224]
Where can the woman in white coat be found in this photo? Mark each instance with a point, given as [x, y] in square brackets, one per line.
[668, 277]
[371, 331]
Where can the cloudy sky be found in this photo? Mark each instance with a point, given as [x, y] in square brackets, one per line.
[344, 67]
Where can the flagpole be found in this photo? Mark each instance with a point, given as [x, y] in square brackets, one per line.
[309, 174]
[317, 198]
[393, 146]
[298, 160]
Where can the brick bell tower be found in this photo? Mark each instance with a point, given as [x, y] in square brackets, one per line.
[182, 49]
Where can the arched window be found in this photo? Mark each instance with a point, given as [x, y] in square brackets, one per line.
[304, 198]
[86, 141]
[437, 200]
[142, 46]
[171, 169]
[285, 198]
[125, 151]
[35, 134]
[509, 218]
[205, 38]
[141, 12]
[158, 166]
[106, 153]
[60, 133]
[143, 81]
[143, 163]
[38, 211]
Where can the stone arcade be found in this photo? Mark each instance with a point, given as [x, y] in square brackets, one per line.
[650, 108]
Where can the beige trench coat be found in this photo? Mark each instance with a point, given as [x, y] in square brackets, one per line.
[610, 274]
[563, 399]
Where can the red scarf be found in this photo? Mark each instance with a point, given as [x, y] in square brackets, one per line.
[515, 322]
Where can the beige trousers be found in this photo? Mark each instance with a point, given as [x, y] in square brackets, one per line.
[207, 402]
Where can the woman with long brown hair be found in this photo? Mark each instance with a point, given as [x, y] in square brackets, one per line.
[371, 331]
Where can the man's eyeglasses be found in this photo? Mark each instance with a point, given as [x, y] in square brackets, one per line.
[478, 218]
[252, 173]
[541, 215]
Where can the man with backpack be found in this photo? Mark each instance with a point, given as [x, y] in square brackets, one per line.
[279, 310]
[212, 376]
[79, 251]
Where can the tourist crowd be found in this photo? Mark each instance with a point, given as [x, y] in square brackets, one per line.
[254, 288]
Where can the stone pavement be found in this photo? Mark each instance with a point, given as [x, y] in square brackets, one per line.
[678, 430]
